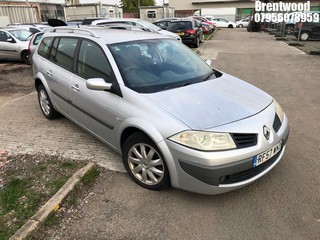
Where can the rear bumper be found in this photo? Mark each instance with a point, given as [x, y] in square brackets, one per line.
[189, 40]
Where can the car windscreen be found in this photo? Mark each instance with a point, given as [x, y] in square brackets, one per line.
[149, 66]
[21, 34]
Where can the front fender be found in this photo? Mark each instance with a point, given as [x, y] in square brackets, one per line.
[143, 126]
[157, 138]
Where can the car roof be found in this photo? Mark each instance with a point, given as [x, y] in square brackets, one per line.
[167, 19]
[9, 28]
[115, 20]
[109, 36]
[184, 20]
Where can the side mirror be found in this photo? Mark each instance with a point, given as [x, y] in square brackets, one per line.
[98, 84]
[11, 40]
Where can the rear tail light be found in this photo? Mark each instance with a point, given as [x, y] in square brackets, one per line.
[29, 50]
[191, 32]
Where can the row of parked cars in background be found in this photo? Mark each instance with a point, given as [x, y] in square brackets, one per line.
[17, 41]
[303, 30]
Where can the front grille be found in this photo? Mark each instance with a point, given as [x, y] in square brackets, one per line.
[243, 140]
[250, 173]
[276, 123]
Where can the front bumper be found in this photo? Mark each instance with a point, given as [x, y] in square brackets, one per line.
[232, 173]
[224, 171]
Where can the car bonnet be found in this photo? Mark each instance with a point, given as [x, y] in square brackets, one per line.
[212, 103]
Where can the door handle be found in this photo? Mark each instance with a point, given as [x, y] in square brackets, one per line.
[49, 72]
[75, 87]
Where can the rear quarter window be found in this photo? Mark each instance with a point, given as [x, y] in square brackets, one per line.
[45, 47]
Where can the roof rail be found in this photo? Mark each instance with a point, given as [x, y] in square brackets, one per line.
[75, 30]
[122, 26]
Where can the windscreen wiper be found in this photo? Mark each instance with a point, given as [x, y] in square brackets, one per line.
[209, 76]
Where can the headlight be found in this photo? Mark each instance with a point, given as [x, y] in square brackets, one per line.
[205, 141]
[279, 110]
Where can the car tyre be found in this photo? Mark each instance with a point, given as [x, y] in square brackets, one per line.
[25, 57]
[304, 36]
[230, 26]
[45, 104]
[240, 25]
[144, 162]
[289, 29]
[202, 38]
[197, 42]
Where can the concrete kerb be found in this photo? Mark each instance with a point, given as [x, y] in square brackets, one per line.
[52, 205]
[211, 35]
[307, 49]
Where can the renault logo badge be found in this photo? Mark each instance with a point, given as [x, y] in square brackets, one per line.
[266, 132]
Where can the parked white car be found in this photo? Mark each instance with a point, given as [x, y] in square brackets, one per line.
[14, 43]
[136, 22]
[223, 23]
[243, 23]
[209, 18]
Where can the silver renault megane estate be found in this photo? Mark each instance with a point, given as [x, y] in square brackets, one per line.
[174, 119]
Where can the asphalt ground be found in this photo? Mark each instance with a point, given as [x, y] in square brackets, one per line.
[284, 204]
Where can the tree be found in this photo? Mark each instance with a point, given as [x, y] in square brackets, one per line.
[133, 5]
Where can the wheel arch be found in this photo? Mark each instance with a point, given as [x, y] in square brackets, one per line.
[37, 83]
[131, 126]
[40, 80]
[23, 51]
[138, 125]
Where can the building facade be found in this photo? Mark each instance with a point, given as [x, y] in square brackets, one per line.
[241, 8]
[35, 11]
[153, 13]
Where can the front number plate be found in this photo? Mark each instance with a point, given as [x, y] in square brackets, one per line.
[265, 156]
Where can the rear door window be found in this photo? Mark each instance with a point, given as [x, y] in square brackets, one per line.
[63, 52]
[45, 47]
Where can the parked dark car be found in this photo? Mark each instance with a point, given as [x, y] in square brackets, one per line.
[165, 22]
[189, 30]
[308, 30]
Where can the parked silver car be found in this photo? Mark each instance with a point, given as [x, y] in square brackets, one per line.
[14, 44]
[173, 118]
[136, 22]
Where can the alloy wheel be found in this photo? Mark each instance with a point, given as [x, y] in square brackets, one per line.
[146, 164]
[44, 102]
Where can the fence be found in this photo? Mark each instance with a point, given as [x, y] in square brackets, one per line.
[19, 14]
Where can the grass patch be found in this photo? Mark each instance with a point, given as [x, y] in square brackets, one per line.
[90, 177]
[55, 185]
[28, 182]
[69, 164]
[52, 220]
[69, 205]
[209, 36]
